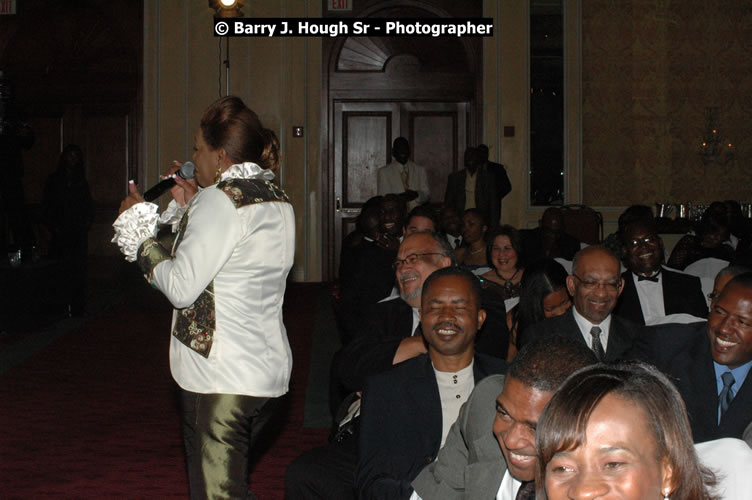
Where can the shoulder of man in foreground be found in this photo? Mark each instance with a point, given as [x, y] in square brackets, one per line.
[470, 442]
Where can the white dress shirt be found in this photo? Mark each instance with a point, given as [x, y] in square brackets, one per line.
[650, 294]
[508, 487]
[586, 325]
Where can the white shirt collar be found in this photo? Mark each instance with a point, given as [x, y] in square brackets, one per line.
[247, 170]
[586, 325]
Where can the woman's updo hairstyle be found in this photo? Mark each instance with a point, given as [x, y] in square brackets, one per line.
[228, 123]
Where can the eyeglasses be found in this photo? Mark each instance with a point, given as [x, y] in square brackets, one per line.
[651, 239]
[610, 286]
[412, 259]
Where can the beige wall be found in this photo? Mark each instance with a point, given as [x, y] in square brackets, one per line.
[640, 74]
[650, 70]
[279, 78]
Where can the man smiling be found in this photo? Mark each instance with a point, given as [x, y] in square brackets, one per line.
[710, 362]
[650, 291]
[490, 450]
[595, 285]
[407, 411]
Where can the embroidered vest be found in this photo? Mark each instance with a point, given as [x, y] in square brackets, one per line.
[195, 325]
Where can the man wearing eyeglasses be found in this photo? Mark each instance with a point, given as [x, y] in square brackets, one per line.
[595, 285]
[652, 292]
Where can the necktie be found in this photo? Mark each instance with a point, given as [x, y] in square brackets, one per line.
[405, 178]
[526, 491]
[724, 399]
[457, 242]
[597, 346]
[654, 279]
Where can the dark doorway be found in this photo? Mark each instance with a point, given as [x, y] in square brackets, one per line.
[376, 89]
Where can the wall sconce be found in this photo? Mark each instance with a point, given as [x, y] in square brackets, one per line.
[714, 149]
[227, 8]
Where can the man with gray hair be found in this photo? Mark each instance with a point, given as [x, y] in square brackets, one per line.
[595, 285]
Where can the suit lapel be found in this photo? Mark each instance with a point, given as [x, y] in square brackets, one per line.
[570, 328]
[424, 393]
[701, 383]
[629, 302]
[619, 340]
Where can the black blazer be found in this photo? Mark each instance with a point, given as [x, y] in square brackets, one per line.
[382, 327]
[683, 353]
[401, 423]
[486, 198]
[682, 293]
[621, 336]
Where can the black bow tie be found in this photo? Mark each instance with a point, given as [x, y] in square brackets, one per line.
[654, 279]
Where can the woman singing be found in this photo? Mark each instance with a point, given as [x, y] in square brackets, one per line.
[225, 275]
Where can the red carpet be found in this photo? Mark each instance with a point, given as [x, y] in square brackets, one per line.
[94, 415]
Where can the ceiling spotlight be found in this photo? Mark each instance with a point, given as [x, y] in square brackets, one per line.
[227, 8]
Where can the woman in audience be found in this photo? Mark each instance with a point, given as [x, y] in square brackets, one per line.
[619, 430]
[712, 232]
[503, 252]
[472, 254]
[225, 276]
[543, 294]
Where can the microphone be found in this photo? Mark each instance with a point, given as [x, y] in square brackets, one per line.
[186, 171]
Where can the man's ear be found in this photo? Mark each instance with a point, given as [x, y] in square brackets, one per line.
[481, 317]
[621, 287]
[570, 285]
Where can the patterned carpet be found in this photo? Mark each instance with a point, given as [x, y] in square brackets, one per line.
[94, 413]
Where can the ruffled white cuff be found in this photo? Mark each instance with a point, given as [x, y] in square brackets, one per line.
[173, 214]
[134, 226]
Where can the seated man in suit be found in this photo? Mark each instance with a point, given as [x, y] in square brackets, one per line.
[473, 187]
[490, 451]
[407, 411]
[451, 226]
[549, 239]
[650, 291]
[389, 333]
[595, 286]
[710, 362]
[403, 176]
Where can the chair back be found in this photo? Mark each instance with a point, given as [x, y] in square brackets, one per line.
[583, 223]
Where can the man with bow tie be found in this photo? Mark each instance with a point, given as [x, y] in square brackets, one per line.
[651, 291]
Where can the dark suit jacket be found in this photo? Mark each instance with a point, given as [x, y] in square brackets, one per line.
[382, 327]
[683, 353]
[486, 198]
[621, 336]
[400, 425]
[503, 186]
[470, 464]
[532, 246]
[682, 293]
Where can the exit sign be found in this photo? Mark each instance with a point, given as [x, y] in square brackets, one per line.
[340, 4]
[7, 7]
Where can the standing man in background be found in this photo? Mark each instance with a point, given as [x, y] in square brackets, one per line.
[404, 177]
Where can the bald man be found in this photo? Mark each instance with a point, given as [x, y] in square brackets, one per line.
[595, 286]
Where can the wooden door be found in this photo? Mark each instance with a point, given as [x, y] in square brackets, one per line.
[363, 135]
